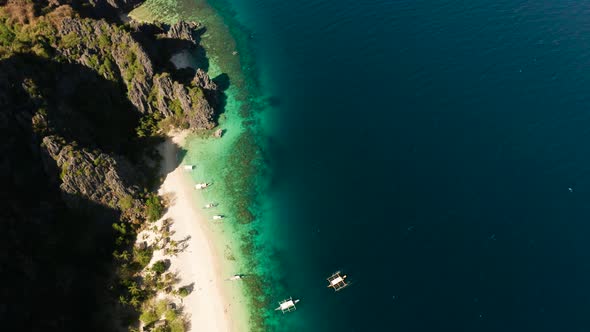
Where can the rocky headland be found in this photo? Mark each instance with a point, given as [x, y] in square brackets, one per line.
[84, 97]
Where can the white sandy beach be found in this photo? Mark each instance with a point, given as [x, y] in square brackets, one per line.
[209, 306]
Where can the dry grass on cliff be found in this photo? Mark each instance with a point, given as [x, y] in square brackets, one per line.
[26, 12]
[22, 12]
[57, 15]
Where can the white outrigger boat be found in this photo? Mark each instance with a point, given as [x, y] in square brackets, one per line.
[188, 167]
[218, 217]
[210, 205]
[202, 185]
[287, 305]
[336, 281]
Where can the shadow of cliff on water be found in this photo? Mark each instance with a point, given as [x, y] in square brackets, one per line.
[223, 82]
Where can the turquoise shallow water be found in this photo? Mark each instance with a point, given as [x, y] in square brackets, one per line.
[426, 148]
[234, 164]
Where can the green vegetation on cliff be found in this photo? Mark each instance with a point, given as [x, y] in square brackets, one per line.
[82, 103]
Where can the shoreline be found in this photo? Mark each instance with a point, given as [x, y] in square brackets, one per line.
[231, 163]
[212, 305]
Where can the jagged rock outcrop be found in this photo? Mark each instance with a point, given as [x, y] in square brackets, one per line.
[185, 31]
[114, 52]
[93, 176]
[188, 103]
[97, 44]
[73, 92]
[203, 80]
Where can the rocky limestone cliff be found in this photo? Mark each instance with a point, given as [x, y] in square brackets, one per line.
[172, 98]
[95, 176]
[99, 45]
[114, 53]
[108, 9]
[185, 31]
[73, 91]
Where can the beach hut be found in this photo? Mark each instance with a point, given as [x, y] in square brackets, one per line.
[287, 305]
[336, 281]
[189, 167]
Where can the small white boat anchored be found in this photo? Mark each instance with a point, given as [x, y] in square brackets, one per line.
[189, 167]
[236, 277]
[202, 185]
[218, 217]
[336, 281]
[287, 305]
[210, 205]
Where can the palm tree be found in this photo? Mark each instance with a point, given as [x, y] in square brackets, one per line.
[134, 302]
[124, 255]
[133, 289]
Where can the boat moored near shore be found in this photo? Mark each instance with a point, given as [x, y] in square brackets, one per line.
[287, 305]
[236, 277]
[202, 185]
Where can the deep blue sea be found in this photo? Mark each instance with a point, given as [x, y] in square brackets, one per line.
[437, 152]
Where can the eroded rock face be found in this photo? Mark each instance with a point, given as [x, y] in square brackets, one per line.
[98, 45]
[93, 176]
[185, 31]
[175, 99]
[203, 80]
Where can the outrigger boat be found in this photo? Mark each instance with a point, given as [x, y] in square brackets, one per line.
[218, 217]
[202, 185]
[287, 305]
[236, 277]
[210, 205]
[336, 281]
[189, 167]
